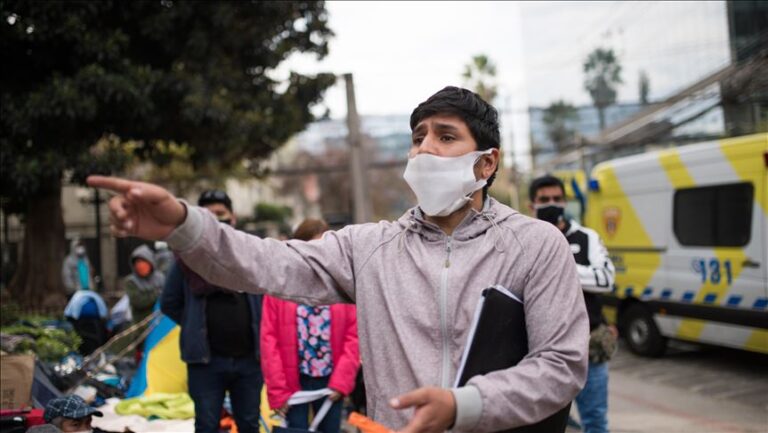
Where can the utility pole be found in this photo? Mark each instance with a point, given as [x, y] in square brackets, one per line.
[360, 202]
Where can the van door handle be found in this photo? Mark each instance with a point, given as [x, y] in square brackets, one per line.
[750, 264]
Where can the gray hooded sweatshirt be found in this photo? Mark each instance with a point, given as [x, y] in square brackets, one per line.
[416, 290]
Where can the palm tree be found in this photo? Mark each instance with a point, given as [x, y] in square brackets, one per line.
[602, 75]
[558, 119]
[480, 76]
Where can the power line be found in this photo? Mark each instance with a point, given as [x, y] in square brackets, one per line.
[586, 38]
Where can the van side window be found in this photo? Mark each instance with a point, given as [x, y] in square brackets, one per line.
[714, 216]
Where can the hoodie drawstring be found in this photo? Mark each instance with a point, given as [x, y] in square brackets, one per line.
[499, 233]
[402, 235]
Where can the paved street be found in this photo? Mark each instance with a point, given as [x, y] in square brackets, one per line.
[691, 389]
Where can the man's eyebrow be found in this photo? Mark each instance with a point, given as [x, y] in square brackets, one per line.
[445, 127]
[419, 128]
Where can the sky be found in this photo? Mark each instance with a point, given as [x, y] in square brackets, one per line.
[402, 52]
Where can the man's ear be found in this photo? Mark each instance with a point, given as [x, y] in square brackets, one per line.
[492, 161]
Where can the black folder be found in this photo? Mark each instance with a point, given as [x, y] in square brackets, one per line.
[498, 339]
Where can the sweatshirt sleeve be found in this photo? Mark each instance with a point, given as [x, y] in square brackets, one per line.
[598, 276]
[554, 370]
[316, 272]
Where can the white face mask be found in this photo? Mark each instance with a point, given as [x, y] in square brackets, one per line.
[442, 184]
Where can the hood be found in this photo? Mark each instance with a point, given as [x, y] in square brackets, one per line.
[474, 224]
[143, 251]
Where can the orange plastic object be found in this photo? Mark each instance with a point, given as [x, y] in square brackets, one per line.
[365, 424]
[227, 423]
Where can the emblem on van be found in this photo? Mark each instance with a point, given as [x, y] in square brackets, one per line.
[611, 219]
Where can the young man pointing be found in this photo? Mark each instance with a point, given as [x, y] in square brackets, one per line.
[416, 281]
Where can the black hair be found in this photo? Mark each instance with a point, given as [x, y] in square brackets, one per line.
[213, 196]
[543, 182]
[481, 118]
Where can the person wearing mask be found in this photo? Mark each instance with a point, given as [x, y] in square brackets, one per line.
[308, 348]
[219, 336]
[76, 270]
[596, 274]
[416, 281]
[144, 284]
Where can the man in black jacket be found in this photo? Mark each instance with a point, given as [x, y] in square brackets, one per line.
[596, 274]
[219, 338]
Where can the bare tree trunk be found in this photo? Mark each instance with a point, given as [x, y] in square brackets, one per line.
[601, 117]
[37, 281]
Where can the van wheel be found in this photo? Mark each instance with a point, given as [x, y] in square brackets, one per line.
[641, 333]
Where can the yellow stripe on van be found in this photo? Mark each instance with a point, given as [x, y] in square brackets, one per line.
[758, 341]
[614, 218]
[676, 171]
[746, 157]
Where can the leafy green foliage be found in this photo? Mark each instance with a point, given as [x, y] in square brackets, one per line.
[271, 212]
[89, 85]
[161, 70]
[9, 312]
[49, 344]
[480, 76]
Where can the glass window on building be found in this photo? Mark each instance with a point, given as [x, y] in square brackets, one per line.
[714, 216]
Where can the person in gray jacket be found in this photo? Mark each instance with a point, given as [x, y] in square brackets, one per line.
[416, 281]
[76, 270]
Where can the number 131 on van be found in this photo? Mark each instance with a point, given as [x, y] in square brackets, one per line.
[713, 270]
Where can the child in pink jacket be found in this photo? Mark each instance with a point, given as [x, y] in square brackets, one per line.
[307, 348]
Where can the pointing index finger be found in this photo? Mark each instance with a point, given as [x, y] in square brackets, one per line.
[115, 184]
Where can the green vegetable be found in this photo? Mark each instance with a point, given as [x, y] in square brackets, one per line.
[50, 344]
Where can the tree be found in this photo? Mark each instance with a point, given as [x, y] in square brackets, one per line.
[480, 76]
[271, 212]
[644, 87]
[602, 74]
[159, 71]
[558, 119]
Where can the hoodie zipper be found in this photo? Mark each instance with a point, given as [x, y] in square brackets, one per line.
[445, 381]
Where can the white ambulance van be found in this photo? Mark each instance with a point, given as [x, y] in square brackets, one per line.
[686, 229]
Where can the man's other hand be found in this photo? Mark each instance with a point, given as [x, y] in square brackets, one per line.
[434, 410]
[140, 209]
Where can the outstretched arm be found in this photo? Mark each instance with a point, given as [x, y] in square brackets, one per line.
[316, 272]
